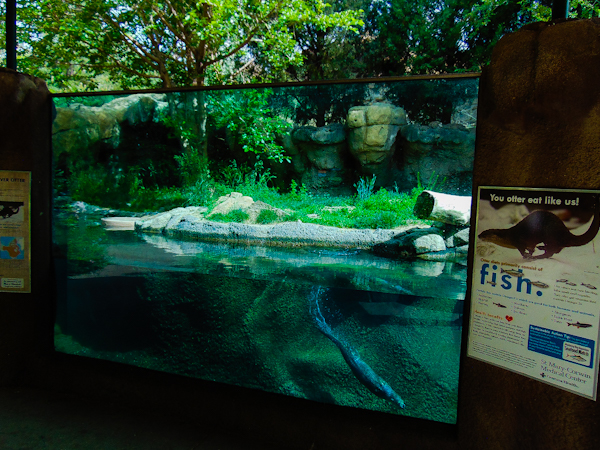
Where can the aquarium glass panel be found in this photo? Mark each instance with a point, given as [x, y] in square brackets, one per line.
[266, 237]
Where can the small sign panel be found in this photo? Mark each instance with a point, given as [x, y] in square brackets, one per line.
[535, 302]
[15, 231]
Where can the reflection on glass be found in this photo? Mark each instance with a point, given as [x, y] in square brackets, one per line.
[265, 237]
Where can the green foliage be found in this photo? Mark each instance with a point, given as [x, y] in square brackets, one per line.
[364, 187]
[337, 218]
[256, 181]
[92, 100]
[149, 43]
[102, 186]
[193, 168]
[200, 194]
[384, 209]
[433, 183]
[248, 117]
[237, 215]
[267, 216]
[232, 175]
[377, 219]
[84, 44]
[85, 252]
[299, 193]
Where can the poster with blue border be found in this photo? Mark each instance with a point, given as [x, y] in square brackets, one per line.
[535, 301]
[15, 250]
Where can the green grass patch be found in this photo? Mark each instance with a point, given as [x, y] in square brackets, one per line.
[237, 215]
[267, 216]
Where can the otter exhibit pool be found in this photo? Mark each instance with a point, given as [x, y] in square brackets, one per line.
[344, 324]
[290, 321]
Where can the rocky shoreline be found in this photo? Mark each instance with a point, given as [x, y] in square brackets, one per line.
[424, 241]
[438, 242]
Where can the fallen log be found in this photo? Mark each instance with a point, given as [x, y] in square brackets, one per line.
[446, 208]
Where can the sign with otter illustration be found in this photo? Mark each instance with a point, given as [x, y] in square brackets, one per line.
[535, 303]
[15, 266]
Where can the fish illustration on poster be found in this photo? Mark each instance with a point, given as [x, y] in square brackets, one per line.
[15, 265]
[535, 307]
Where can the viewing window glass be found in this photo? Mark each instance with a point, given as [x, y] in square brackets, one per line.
[265, 236]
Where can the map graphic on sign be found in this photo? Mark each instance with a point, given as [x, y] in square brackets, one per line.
[12, 248]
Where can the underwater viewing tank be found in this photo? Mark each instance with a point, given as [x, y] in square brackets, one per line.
[264, 236]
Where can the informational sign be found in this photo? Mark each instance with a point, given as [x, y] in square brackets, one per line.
[15, 251]
[535, 306]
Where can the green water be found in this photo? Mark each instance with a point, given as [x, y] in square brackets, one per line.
[242, 315]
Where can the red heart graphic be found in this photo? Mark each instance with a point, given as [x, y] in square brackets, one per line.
[509, 318]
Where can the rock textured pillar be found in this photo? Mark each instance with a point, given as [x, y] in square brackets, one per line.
[372, 138]
[538, 126]
[25, 122]
[324, 149]
[539, 110]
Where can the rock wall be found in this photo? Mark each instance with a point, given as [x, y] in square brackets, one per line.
[372, 133]
[437, 153]
[78, 127]
[325, 152]
[377, 140]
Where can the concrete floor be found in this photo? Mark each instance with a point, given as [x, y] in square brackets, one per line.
[32, 419]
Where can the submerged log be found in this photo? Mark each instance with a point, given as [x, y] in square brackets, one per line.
[450, 209]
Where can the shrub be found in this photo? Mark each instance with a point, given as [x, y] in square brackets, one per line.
[200, 194]
[267, 216]
[337, 218]
[232, 175]
[193, 168]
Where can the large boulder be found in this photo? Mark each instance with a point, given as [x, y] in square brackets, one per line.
[78, 127]
[324, 151]
[465, 113]
[411, 243]
[435, 151]
[236, 201]
[372, 137]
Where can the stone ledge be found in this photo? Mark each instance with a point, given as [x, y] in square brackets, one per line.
[284, 234]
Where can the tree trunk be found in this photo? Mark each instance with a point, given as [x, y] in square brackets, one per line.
[189, 114]
[450, 209]
[195, 114]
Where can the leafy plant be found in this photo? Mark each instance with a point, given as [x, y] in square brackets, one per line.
[200, 194]
[232, 175]
[193, 168]
[384, 209]
[432, 183]
[248, 117]
[299, 193]
[365, 187]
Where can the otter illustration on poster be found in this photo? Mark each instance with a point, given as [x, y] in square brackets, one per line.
[535, 305]
[540, 227]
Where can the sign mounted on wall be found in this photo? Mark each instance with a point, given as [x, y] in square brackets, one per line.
[15, 235]
[535, 305]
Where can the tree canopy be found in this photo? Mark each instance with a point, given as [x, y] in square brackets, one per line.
[149, 43]
[76, 44]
